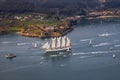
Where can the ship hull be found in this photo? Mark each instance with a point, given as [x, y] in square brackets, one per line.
[58, 50]
[58, 53]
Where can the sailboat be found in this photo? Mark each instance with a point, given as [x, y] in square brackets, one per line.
[58, 44]
[35, 45]
[113, 55]
[90, 43]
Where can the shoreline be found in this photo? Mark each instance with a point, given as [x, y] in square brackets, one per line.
[50, 33]
[104, 17]
[107, 17]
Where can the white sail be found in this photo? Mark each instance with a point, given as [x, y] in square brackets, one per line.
[53, 44]
[90, 43]
[45, 45]
[58, 42]
[68, 42]
[63, 41]
[48, 46]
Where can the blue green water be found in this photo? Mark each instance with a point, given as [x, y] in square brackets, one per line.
[87, 62]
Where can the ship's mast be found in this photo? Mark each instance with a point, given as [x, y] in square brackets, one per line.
[58, 42]
[68, 43]
[53, 43]
[45, 45]
[63, 41]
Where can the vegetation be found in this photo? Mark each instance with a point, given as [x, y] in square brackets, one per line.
[36, 16]
[15, 28]
[28, 27]
[55, 7]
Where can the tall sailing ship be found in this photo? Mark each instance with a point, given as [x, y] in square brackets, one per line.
[58, 44]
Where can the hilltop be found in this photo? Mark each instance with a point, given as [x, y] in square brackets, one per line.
[68, 7]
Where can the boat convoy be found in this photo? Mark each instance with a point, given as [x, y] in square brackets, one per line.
[55, 45]
[58, 44]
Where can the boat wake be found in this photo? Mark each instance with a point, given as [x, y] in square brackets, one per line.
[95, 52]
[104, 34]
[108, 34]
[75, 54]
[116, 45]
[53, 55]
[6, 42]
[20, 44]
[85, 56]
[101, 44]
[83, 40]
[59, 55]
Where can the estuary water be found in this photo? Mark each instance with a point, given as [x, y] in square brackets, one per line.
[93, 45]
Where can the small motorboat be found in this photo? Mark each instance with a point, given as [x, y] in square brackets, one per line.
[10, 56]
[104, 35]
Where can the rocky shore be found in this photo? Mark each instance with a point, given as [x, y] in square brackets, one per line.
[45, 32]
[4, 30]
